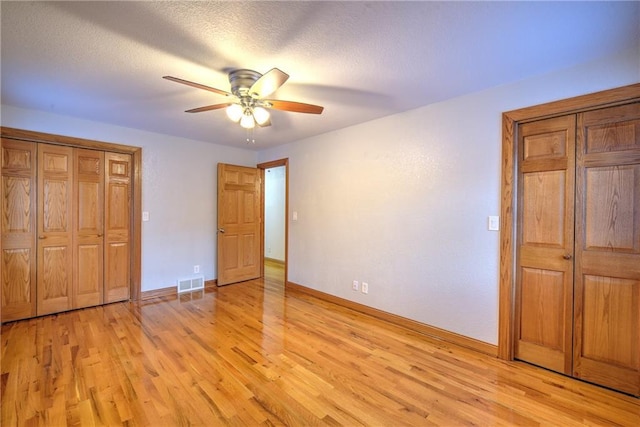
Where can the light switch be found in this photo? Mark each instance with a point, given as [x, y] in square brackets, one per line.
[295, 215]
[494, 223]
[145, 216]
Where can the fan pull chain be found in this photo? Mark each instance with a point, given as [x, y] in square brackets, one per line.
[250, 139]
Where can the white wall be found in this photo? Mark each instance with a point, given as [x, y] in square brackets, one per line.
[179, 182]
[402, 202]
[274, 212]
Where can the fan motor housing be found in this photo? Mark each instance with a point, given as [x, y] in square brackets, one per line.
[242, 80]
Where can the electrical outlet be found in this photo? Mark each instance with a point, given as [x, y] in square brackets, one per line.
[355, 285]
[196, 269]
[365, 288]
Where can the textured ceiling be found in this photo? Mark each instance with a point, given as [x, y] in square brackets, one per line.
[104, 61]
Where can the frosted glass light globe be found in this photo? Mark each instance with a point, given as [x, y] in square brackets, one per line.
[234, 112]
[261, 115]
[247, 120]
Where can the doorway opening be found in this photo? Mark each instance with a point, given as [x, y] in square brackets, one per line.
[275, 226]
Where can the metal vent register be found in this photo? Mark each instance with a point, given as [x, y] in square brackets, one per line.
[186, 285]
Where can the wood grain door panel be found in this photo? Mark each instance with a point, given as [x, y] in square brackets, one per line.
[542, 341]
[544, 208]
[88, 239]
[18, 228]
[607, 282]
[544, 276]
[55, 228]
[239, 216]
[118, 193]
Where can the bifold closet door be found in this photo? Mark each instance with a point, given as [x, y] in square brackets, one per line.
[607, 272]
[66, 228]
[544, 275]
[117, 227]
[88, 237]
[578, 304]
[55, 228]
[18, 244]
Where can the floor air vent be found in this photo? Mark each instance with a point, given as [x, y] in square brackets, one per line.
[193, 284]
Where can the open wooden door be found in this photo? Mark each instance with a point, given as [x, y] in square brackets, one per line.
[239, 224]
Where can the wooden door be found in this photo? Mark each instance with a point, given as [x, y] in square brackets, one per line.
[55, 228]
[544, 274]
[607, 275]
[18, 244]
[239, 224]
[88, 230]
[117, 232]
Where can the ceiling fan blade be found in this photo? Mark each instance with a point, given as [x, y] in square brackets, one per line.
[197, 85]
[296, 107]
[209, 107]
[268, 83]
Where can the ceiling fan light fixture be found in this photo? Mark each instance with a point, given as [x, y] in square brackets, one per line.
[246, 103]
[261, 115]
[234, 112]
[247, 121]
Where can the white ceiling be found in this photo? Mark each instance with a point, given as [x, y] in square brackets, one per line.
[104, 61]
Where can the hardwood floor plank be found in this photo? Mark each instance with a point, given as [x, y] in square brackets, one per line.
[252, 354]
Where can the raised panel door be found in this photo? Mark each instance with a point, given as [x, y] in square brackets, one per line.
[88, 238]
[117, 233]
[544, 276]
[239, 224]
[18, 222]
[607, 273]
[55, 228]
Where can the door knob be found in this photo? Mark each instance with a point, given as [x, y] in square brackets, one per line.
[221, 230]
[567, 256]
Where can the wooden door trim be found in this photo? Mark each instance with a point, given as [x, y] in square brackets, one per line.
[273, 164]
[136, 153]
[508, 223]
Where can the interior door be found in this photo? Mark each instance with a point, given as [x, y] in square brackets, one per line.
[607, 275]
[88, 255]
[239, 241]
[55, 228]
[544, 275]
[18, 243]
[117, 234]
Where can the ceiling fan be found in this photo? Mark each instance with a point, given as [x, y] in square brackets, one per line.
[247, 103]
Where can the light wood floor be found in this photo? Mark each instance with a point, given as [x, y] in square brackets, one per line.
[251, 354]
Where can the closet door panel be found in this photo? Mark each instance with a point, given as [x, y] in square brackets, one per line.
[18, 227]
[55, 228]
[607, 283]
[610, 194]
[544, 275]
[117, 226]
[88, 253]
